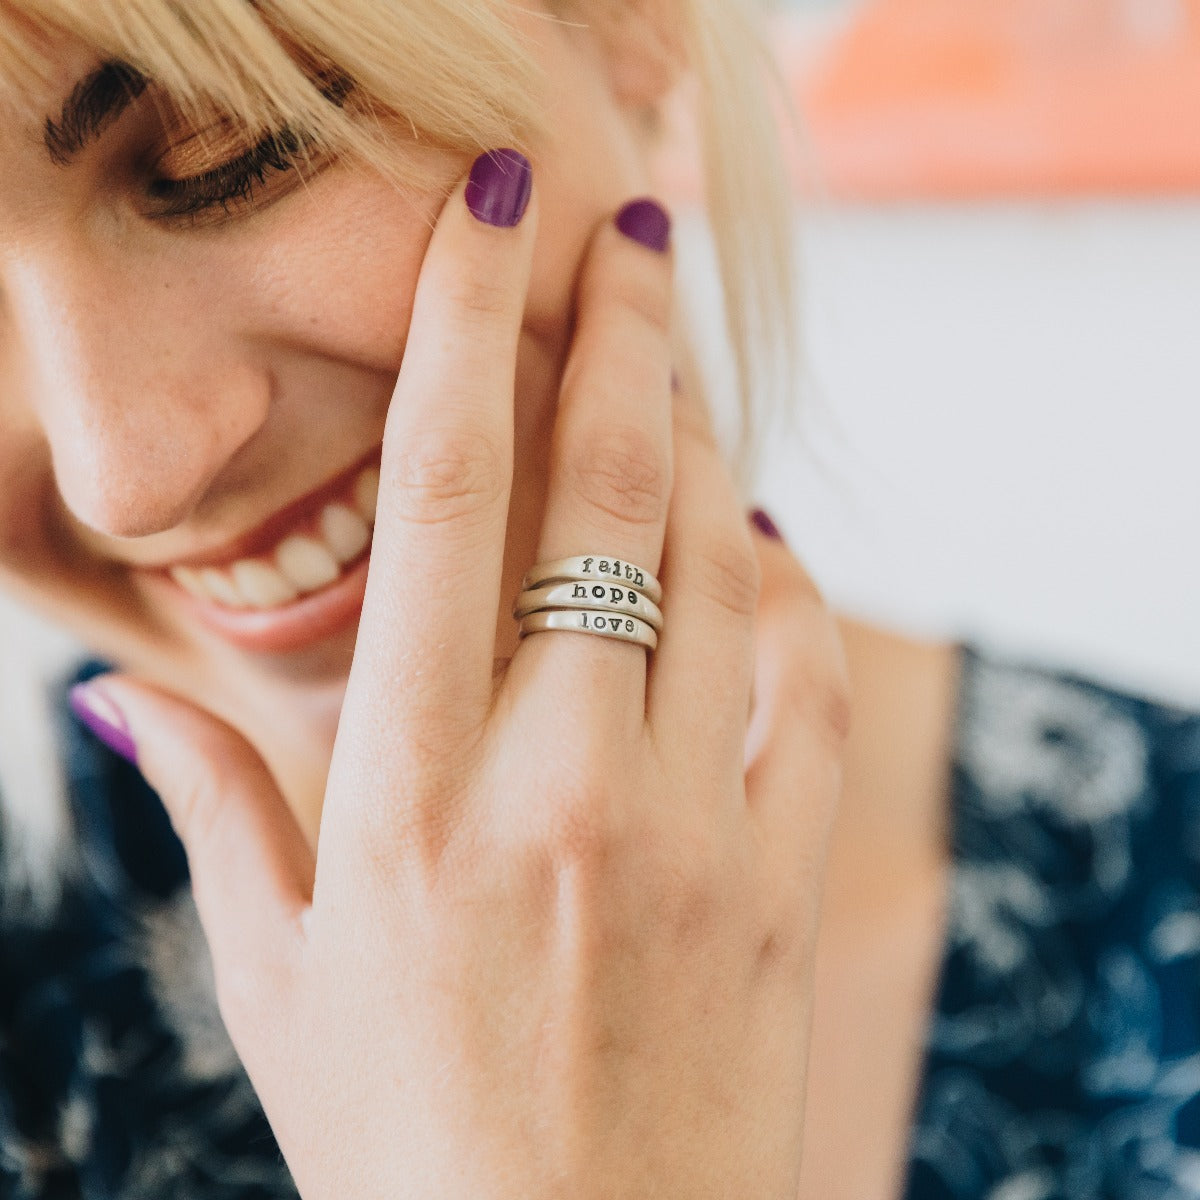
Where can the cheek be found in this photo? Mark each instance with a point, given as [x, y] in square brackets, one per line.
[334, 271]
[340, 283]
[340, 278]
[26, 474]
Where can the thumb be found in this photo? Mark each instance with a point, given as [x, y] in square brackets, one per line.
[251, 866]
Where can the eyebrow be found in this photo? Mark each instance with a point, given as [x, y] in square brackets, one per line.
[94, 103]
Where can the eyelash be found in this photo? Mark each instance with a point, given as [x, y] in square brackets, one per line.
[231, 183]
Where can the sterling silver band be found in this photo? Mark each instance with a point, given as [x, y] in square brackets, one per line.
[602, 568]
[603, 624]
[608, 597]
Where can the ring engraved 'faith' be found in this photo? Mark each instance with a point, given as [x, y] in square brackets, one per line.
[602, 568]
[610, 597]
[604, 624]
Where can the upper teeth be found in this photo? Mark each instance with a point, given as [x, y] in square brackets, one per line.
[301, 562]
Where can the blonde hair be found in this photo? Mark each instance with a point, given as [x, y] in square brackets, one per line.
[467, 83]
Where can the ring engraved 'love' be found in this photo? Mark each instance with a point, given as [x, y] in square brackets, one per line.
[603, 624]
[602, 568]
[610, 597]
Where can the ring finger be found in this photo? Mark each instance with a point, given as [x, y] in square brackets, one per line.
[610, 459]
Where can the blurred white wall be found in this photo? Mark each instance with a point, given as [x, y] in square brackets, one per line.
[1001, 428]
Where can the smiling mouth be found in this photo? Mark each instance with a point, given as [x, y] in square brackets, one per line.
[316, 551]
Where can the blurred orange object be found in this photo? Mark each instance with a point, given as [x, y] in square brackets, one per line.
[958, 99]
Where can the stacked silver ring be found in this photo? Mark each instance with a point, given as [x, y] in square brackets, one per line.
[593, 593]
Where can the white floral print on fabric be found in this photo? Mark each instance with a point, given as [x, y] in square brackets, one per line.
[1063, 1055]
[1063, 1051]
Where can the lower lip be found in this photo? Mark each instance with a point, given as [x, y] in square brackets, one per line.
[290, 627]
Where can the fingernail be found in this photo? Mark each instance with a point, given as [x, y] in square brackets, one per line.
[499, 187]
[646, 222]
[765, 525]
[97, 711]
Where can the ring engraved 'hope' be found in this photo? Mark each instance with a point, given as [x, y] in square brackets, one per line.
[606, 596]
[600, 567]
[613, 625]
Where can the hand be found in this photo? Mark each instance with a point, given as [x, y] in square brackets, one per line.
[557, 938]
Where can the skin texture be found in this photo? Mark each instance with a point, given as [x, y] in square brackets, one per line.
[165, 389]
[584, 970]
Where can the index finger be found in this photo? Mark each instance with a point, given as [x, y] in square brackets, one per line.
[423, 659]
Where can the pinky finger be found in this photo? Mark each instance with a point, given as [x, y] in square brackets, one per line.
[800, 716]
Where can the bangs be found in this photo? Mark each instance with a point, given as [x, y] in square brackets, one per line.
[361, 79]
[451, 73]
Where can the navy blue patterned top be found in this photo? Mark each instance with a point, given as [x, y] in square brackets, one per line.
[1063, 1052]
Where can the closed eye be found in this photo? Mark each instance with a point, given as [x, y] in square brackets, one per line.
[234, 182]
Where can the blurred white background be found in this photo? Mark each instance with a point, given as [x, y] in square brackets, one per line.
[1000, 435]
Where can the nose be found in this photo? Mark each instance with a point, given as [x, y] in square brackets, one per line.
[143, 392]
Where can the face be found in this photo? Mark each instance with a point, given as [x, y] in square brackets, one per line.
[200, 393]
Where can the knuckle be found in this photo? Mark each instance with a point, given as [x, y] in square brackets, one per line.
[645, 295]
[581, 821]
[834, 696]
[839, 702]
[449, 475]
[625, 279]
[786, 915]
[582, 832]
[420, 836]
[198, 808]
[836, 709]
[817, 680]
[623, 473]
[689, 898]
[784, 948]
[728, 574]
[818, 693]
[479, 297]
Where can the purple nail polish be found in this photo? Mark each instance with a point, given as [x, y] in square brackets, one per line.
[646, 222]
[499, 187]
[765, 525]
[95, 708]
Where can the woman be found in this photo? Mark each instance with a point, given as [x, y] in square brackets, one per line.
[558, 935]
[259, 280]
